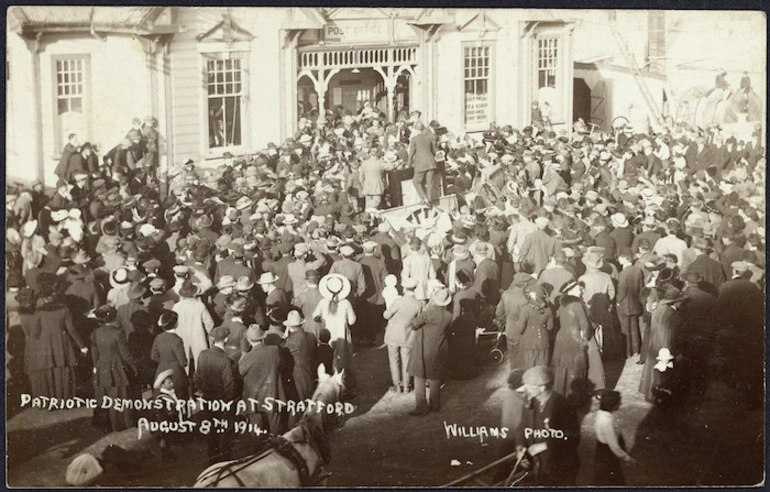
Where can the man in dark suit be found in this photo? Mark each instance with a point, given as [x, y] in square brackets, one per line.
[740, 305]
[704, 156]
[422, 148]
[711, 270]
[549, 430]
[69, 149]
[486, 275]
[215, 379]
[630, 285]
[78, 163]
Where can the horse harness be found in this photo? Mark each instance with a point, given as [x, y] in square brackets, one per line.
[283, 447]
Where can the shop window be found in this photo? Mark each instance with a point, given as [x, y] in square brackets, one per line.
[477, 80]
[225, 101]
[548, 73]
[71, 93]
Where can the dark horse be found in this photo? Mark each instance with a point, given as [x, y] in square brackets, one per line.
[280, 467]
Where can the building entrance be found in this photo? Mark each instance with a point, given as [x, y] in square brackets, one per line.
[385, 78]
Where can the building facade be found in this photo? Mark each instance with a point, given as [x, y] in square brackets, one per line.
[230, 80]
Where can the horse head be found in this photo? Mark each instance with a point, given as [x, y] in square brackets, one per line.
[320, 424]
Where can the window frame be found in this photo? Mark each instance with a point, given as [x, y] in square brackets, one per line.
[491, 77]
[59, 140]
[216, 52]
[559, 114]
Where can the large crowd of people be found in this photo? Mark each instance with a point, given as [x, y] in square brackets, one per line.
[238, 281]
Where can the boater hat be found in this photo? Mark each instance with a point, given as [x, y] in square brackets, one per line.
[441, 297]
[119, 276]
[334, 284]
[161, 377]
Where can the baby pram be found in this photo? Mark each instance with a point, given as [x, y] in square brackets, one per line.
[490, 344]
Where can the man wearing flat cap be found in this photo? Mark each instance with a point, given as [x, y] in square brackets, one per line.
[549, 431]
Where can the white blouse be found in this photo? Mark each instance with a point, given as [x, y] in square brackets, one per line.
[606, 433]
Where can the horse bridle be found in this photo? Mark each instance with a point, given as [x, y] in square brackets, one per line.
[313, 437]
[284, 447]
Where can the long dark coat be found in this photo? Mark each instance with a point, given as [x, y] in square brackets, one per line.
[111, 357]
[428, 357]
[58, 347]
[569, 361]
[302, 346]
[168, 352]
[534, 324]
[32, 361]
[664, 327]
[261, 371]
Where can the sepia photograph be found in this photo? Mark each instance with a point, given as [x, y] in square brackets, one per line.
[305, 246]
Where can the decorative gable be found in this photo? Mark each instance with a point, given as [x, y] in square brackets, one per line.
[481, 22]
[226, 31]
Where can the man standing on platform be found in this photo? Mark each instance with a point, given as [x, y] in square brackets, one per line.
[422, 148]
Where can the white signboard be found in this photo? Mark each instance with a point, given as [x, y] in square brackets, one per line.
[358, 31]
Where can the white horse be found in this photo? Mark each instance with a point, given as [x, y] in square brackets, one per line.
[277, 468]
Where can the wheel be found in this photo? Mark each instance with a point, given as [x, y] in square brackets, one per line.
[497, 355]
[619, 122]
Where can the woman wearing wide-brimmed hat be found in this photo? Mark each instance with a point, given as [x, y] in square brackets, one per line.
[32, 246]
[534, 324]
[33, 366]
[337, 314]
[118, 294]
[59, 340]
[428, 357]
[665, 324]
[112, 363]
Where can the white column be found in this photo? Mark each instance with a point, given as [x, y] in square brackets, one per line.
[320, 90]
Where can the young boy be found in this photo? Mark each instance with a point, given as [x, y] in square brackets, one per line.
[164, 386]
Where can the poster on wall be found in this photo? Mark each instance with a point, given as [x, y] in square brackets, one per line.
[337, 96]
[476, 107]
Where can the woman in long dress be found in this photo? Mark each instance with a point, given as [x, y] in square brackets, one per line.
[664, 324]
[112, 361]
[569, 361]
[535, 324]
[59, 341]
[462, 334]
[32, 360]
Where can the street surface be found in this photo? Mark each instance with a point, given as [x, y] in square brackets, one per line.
[380, 445]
